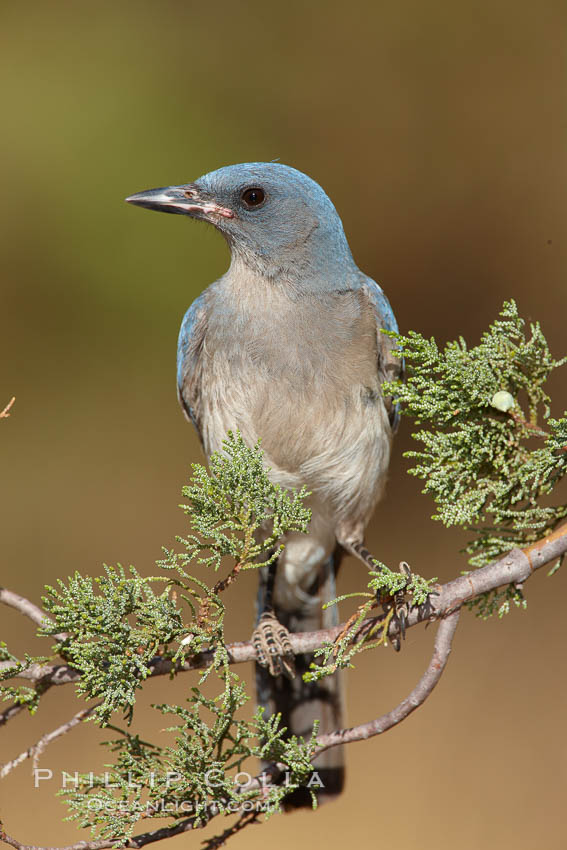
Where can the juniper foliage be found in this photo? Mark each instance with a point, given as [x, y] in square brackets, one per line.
[491, 454]
[118, 624]
[384, 584]
[19, 695]
[200, 774]
[230, 503]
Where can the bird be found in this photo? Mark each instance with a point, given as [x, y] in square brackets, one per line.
[287, 348]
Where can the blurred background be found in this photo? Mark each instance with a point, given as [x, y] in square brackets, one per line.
[438, 130]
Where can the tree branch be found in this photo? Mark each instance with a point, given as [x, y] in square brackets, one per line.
[136, 842]
[37, 749]
[513, 568]
[4, 414]
[10, 712]
[24, 606]
[441, 651]
[29, 609]
[423, 689]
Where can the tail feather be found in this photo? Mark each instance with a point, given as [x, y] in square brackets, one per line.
[301, 703]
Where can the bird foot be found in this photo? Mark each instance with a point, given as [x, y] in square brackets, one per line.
[401, 607]
[273, 648]
[397, 601]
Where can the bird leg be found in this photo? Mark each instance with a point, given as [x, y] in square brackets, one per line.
[401, 607]
[398, 601]
[270, 638]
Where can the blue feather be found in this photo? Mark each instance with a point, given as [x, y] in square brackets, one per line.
[186, 356]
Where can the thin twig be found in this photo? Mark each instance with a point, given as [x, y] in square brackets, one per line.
[425, 686]
[29, 609]
[136, 841]
[519, 419]
[245, 819]
[38, 748]
[24, 606]
[6, 412]
[225, 582]
[10, 712]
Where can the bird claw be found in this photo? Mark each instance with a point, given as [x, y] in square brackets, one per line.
[273, 648]
[401, 608]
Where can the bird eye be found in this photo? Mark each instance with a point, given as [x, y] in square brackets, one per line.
[253, 197]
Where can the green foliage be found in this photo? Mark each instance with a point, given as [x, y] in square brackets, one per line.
[386, 582]
[116, 625]
[481, 410]
[233, 501]
[201, 773]
[386, 585]
[498, 602]
[21, 694]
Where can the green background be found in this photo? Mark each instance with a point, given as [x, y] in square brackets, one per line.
[438, 129]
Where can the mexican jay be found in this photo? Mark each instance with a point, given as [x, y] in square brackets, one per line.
[286, 347]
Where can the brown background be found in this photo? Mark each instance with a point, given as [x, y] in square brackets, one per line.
[439, 131]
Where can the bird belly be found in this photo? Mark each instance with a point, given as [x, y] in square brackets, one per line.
[335, 443]
[331, 438]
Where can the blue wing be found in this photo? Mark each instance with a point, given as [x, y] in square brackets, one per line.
[189, 361]
[390, 366]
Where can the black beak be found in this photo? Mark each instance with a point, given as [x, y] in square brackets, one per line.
[183, 200]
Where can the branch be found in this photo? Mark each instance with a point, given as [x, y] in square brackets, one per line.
[6, 412]
[37, 749]
[423, 689]
[29, 609]
[12, 710]
[441, 651]
[513, 568]
[24, 606]
[135, 842]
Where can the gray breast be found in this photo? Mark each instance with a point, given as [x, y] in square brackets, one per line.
[301, 375]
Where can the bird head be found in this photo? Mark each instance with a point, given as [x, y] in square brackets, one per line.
[275, 219]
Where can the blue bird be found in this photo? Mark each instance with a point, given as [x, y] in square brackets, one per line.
[286, 347]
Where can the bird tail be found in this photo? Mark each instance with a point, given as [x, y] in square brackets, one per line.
[301, 703]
